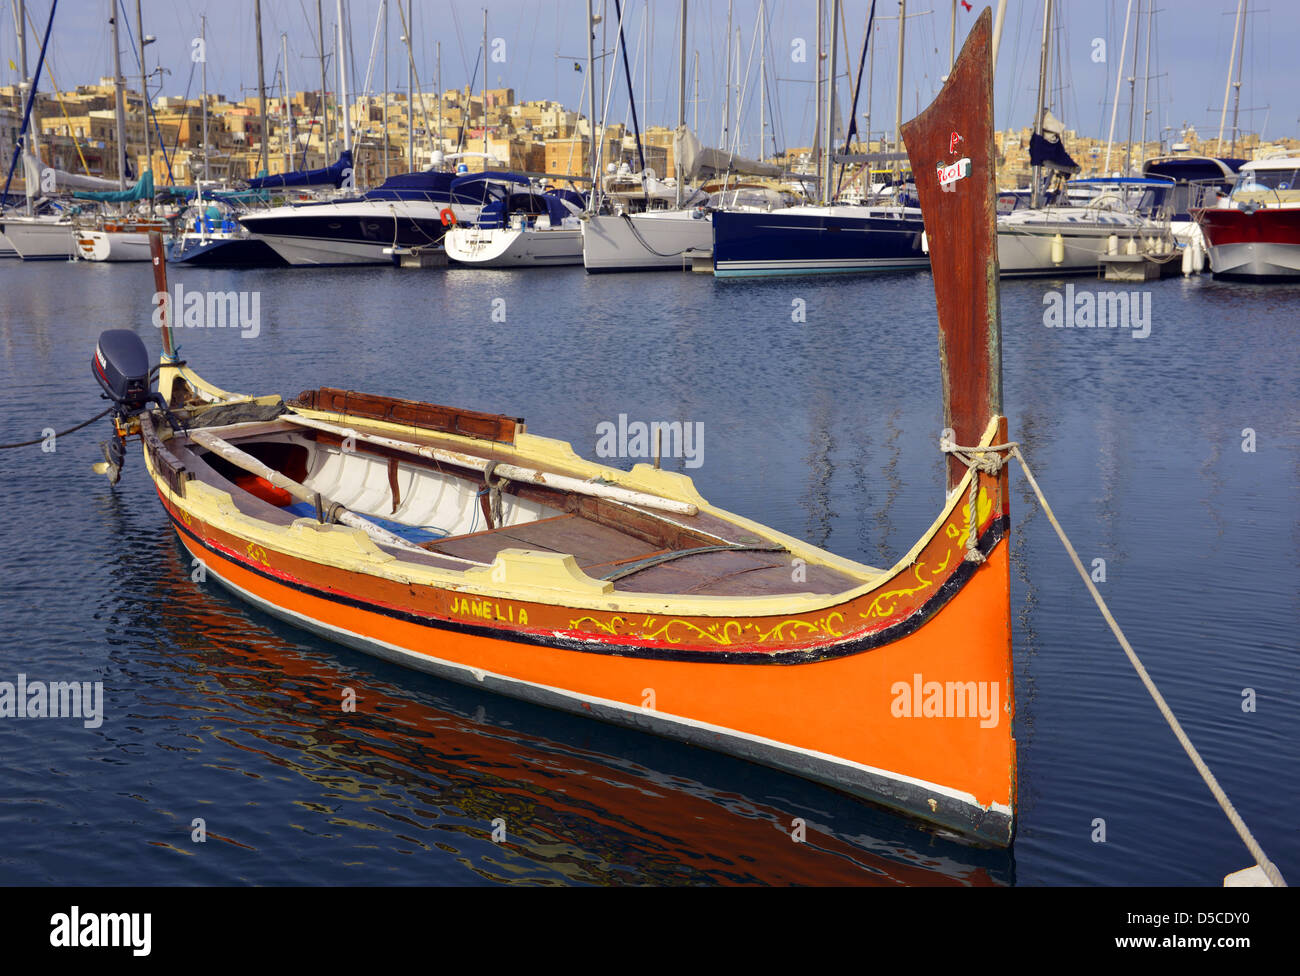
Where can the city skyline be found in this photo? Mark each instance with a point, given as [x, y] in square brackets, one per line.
[534, 48]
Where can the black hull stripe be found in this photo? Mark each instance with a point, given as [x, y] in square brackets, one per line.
[812, 655]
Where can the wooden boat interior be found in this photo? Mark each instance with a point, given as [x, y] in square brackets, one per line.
[457, 516]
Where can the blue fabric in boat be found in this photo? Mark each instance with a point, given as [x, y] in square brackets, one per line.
[411, 533]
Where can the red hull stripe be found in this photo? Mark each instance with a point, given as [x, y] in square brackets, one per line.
[1264, 226]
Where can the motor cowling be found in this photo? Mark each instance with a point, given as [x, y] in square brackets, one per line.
[121, 365]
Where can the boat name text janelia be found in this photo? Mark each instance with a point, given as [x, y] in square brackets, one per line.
[485, 610]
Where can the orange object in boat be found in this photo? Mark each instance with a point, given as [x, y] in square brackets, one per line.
[259, 487]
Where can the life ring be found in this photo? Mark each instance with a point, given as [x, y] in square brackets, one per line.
[448, 217]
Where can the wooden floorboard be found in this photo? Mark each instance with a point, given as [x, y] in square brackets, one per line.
[724, 574]
[590, 544]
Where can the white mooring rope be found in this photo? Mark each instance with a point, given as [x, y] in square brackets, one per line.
[976, 459]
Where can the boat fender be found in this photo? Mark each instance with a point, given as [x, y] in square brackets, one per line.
[448, 217]
[1058, 249]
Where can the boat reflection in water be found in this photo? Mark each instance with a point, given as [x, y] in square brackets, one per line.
[423, 767]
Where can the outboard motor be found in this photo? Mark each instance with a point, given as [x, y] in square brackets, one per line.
[121, 366]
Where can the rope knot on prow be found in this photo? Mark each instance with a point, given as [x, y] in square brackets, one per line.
[990, 461]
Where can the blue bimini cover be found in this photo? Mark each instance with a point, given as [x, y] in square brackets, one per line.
[329, 176]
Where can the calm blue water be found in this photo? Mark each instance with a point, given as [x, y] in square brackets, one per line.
[825, 430]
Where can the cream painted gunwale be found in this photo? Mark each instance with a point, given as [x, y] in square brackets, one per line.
[550, 578]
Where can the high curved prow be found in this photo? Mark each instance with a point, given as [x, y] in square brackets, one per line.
[950, 146]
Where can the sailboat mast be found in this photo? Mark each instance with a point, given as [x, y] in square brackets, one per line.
[118, 98]
[410, 92]
[871, 70]
[817, 100]
[694, 99]
[829, 147]
[1132, 91]
[591, 101]
[631, 97]
[735, 125]
[261, 83]
[34, 128]
[385, 2]
[437, 70]
[591, 107]
[203, 32]
[1232, 57]
[343, 84]
[997, 29]
[1119, 77]
[762, 80]
[288, 111]
[485, 73]
[1236, 98]
[1146, 82]
[680, 173]
[952, 37]
[726, 79]
[324, 113]
[1040, 106]
[645, 74]
[20, 28]
[898, 107]
[144, 93]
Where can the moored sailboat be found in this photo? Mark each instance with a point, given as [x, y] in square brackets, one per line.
[648, 225]
[832, 235]
[41, 237]
[460, 544]
[122, 236]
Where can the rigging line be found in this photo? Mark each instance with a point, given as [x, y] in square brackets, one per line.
[1268, 867]
[147, 106]
[631, 94]
[21, 142]
[637, 234]
[460, 40]
[852, 128]
[775, 102]
[177, 144]
[636, 63]
[62, 107]
[744, 94]
[598, 154]
[424, 107]
[1017, 64]
[62, 433]
[71, 430]
[374, 44]
[1105, 91]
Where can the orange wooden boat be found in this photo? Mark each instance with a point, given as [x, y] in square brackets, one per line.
[455, 761]
[460, 544]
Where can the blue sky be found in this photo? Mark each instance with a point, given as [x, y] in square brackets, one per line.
[543, 38]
